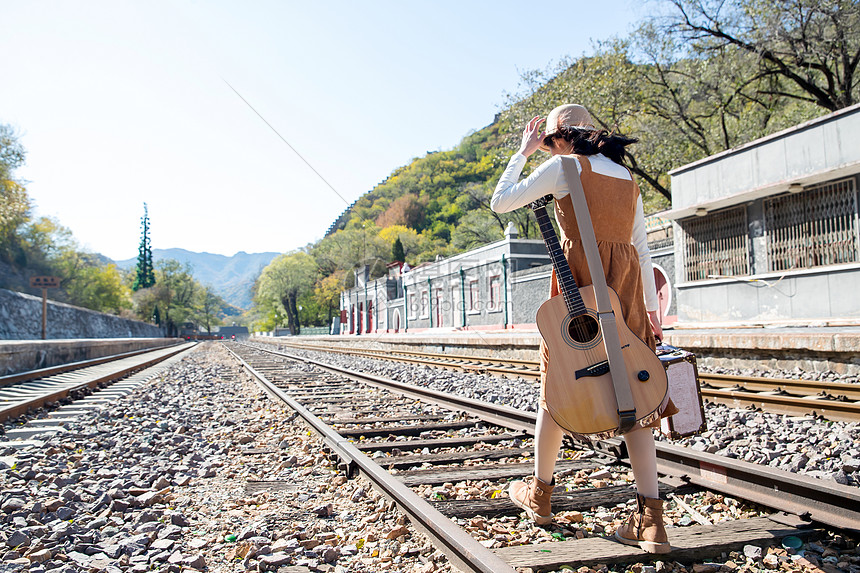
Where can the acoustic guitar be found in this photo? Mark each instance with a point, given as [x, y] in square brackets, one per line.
[579, 390]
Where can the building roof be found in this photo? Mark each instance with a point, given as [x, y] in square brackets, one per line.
[822, 149]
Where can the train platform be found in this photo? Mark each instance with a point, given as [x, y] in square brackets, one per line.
[21, 355]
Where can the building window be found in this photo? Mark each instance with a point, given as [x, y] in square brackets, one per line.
[495, 302]
[716, 245]
[412, 310]
[424, 304]
[474, 295]
[813, 228]
[438, 308]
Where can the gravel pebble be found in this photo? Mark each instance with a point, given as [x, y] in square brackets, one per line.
[156, 480]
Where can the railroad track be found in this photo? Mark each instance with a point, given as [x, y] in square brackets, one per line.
[365, 419]
[839, 401]
[26, 391]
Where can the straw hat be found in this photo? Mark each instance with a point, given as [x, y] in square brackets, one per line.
[570, 115]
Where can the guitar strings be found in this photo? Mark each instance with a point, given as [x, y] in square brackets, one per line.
[582, 321]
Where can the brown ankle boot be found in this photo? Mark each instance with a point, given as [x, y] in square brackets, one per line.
[645, 527]
[534, 498]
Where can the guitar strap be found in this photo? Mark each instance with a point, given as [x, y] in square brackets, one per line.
[605, 314]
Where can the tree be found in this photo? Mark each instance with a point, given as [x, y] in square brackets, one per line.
[327, 292]
[145, 277]
[405, 210]
[174, 289]
[413, 243]
[207, 308]
[98, 287]
[282, 282]
[811, 46]
[14, 201]
[350, 248]
[477, 197]
[477, 228]
[145, 304]
[397, 252]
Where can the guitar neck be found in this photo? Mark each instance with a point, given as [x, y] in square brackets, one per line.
[566, 282]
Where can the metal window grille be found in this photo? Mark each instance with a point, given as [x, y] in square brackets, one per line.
[814, 228]
[716, 245]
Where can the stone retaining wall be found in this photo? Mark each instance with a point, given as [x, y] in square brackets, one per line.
[21, 319]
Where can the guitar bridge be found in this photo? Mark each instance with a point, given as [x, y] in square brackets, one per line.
[598, 369]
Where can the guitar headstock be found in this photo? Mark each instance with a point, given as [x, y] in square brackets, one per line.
[542, 202]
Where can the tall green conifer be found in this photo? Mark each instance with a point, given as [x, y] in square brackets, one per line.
[145, 272]
[397, 252]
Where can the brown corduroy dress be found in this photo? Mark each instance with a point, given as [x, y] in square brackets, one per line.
[612, 205]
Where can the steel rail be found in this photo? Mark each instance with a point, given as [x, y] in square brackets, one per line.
[786, 385]
[819, 500]
[60, 368]
[792, 405]
[524, 368]
[446, 356]
[52, 392]
[838, 401]
[460, 547]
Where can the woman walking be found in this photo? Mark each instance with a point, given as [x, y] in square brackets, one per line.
[619, 225]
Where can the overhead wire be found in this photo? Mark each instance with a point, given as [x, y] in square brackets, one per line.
[287, 142]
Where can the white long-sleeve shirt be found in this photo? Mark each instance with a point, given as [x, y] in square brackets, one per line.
[548, 179]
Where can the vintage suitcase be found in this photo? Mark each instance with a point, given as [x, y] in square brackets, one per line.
[684, 391]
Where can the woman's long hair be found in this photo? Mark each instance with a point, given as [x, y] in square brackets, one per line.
[592, 142]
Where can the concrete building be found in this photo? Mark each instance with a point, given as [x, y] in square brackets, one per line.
[768, 232]
[472, 290]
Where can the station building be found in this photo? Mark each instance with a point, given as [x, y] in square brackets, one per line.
[763, 234]
[498, 286]
[473, 290]
[768, 232]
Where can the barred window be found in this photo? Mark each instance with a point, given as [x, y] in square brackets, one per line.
[716, 245]
[814, 228]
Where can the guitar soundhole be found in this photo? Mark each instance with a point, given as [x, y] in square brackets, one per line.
[583, 328]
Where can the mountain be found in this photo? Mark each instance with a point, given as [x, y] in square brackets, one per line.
[232, 278]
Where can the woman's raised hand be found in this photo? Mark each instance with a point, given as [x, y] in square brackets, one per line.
[532, 136]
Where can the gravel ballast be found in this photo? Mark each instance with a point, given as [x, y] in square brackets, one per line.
[169, 478]
[180, 475]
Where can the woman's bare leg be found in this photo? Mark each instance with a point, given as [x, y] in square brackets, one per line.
[548, 438]
[643, 460]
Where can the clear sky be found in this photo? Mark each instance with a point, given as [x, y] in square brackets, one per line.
[120, 103]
